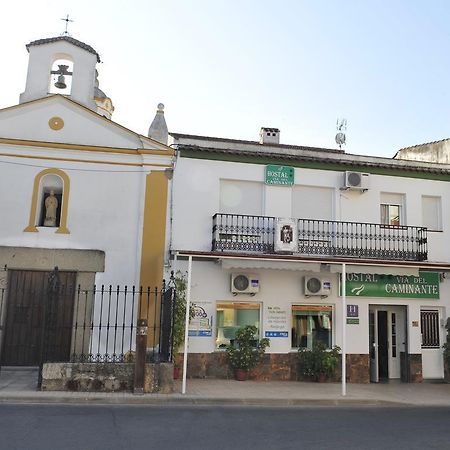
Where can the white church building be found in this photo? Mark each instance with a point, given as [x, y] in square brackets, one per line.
[78, 191]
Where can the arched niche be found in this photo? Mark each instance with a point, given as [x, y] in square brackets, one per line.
[61, 71]
[49, 182]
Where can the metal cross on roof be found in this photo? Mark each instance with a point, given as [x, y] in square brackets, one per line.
[67, 20]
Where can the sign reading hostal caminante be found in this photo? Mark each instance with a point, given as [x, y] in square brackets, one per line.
[279, 175]
[426, 285]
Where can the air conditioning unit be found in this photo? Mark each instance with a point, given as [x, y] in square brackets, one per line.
[244, 283]
[315, 285]
[356, 180]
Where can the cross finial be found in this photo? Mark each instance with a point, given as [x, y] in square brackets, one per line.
[67, 20]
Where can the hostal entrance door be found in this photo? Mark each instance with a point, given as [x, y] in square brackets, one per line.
[387, 338]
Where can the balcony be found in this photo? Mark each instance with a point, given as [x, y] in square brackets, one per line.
[327, 238]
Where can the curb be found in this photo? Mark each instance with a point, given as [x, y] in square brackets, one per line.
[192, 401]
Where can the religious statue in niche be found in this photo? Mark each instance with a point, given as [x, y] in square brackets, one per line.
[286, 234]
[51, 206]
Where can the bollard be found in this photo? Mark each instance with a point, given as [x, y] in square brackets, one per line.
[139, 365]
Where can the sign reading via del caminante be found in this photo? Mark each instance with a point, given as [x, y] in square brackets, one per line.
[426, 285]
[279, 175]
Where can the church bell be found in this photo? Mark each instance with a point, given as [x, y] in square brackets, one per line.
[61, 82]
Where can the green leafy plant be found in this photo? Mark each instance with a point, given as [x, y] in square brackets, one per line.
[318, 361]
[446, 346]
[247, 351]
[180, 284]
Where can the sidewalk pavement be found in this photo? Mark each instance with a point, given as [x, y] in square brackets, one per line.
[19, 386]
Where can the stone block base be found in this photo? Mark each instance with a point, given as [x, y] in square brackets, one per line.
[113, 377]
[275, 367]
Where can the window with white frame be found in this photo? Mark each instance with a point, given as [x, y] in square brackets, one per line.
[312, 202]
[391, 209]
[241, 197]
[429, 327]
[431, 212]
[311, 324]
[230, 316]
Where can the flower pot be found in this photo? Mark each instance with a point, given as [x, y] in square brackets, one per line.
[240, 374]
[322, 378]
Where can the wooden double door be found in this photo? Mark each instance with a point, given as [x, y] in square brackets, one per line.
[38, 320]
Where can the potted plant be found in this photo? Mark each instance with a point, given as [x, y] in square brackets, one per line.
[319, 363]
[246, 352]
[179, 283]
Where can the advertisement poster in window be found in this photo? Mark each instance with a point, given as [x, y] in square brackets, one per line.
[201, 324]
[276, 322]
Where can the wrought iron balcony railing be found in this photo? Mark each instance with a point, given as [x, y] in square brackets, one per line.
[248, 234]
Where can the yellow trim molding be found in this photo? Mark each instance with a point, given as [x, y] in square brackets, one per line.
[87, 148]
[114, 163]
[154, 230]
[62, 229]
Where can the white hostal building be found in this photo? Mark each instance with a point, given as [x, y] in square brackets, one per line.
[268, 228]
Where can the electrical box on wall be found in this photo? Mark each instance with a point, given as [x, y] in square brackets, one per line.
[356, 180]
[244, 283]
[316, 285]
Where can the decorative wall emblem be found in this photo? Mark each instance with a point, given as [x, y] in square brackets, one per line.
[56, 123]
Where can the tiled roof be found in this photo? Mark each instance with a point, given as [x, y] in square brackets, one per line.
[240, 141]
[67, 39]
[324, 156]
[425, 143]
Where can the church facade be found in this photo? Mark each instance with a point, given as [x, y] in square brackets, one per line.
[79, 191]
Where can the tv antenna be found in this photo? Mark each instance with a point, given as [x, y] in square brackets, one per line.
[341, 128]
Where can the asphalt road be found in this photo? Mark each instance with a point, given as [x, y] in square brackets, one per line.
[92, 427]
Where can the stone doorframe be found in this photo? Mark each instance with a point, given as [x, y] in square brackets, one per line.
[86, 263]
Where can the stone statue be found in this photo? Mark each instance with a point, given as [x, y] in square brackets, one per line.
[51, 205]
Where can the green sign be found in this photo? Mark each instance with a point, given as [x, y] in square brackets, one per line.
[279, 175]
[426, 285]
[351, 321]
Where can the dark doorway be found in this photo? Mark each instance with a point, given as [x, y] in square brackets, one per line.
[383, 345]
[38, 319]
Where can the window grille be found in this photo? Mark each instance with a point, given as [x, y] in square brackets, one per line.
[429, 322]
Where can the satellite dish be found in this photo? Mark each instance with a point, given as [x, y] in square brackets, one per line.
[341, 127]
[340, 139]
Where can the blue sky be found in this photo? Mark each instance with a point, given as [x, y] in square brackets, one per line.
[226, 68]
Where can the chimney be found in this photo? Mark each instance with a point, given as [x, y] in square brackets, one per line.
[269, 136]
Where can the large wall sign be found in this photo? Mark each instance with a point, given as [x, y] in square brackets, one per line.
[426, 285]
[279, 175]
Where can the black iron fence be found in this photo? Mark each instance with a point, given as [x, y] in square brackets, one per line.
[46, 320]
[245, 233]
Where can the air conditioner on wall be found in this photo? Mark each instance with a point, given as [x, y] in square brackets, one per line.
[315, 285]
[244, 283]
[356, 180]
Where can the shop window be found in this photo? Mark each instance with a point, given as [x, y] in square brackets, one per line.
[231, 316]
[431, 213]
[311, 324]
[429, 323]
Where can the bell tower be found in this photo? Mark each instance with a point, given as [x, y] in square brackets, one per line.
[62, 65]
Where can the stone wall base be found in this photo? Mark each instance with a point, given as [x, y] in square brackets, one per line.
[112, 377]
[411, 372]
[275, 367]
